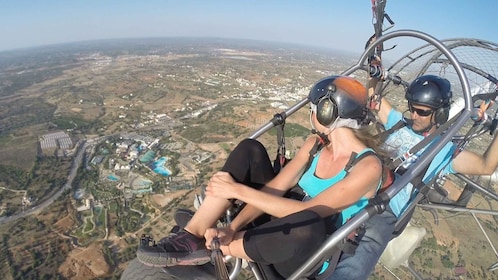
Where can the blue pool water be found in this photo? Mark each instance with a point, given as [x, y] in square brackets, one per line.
[113, 177]
[158, 167]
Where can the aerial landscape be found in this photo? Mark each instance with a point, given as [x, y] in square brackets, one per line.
[144, 127]
[107, 130]
[101, 143]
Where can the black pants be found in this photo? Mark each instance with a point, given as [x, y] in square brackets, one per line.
[250, 164]
[285, 243]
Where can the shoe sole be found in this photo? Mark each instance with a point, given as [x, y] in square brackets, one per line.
[196, 258]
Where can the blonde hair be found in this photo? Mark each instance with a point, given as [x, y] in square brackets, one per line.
[370, 135]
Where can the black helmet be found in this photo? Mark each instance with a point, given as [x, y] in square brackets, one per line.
[429, 90]
[339, 96]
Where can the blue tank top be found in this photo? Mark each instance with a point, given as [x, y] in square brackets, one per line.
[312, 186]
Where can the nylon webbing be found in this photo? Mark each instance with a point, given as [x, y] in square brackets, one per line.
[280, 159]
[397, 162]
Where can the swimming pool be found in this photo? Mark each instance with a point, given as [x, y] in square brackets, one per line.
[158, 167]
[113, 177]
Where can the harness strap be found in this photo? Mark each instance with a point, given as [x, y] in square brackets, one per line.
[389, 131]
[280, 159]
[418, 184]
[314, 151]
[349, 244]
[441, 129]
[354, 159]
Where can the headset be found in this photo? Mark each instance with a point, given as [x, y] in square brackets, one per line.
[442, 114]
[338, 96]
[326, 108]
[434, 92]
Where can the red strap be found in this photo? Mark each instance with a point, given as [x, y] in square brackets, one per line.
[388, 179]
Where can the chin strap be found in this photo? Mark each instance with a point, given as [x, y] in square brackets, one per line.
[324, 139]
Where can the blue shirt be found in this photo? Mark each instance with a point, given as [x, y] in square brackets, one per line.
[313, 186]
[398, 144]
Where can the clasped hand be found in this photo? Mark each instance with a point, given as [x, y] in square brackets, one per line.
[224, 235]
[221, 185]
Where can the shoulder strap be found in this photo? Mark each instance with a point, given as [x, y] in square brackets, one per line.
[387, 174]
[389, 131]
[354, 159]
[423, 189]
[424, 142]
[314, 150]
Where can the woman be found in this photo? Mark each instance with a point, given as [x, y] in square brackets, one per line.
[297, 228]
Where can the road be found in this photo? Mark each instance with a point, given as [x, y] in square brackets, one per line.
[67, 186]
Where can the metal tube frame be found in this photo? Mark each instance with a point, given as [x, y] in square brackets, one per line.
[331, 244]
[477, 186]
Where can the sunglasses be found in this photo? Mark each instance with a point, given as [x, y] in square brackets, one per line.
[420, 112]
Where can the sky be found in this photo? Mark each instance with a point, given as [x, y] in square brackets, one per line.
[335, 24]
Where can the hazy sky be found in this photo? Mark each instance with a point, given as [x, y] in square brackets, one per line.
[338, 24]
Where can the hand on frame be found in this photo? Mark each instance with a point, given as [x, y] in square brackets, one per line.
[224, 235]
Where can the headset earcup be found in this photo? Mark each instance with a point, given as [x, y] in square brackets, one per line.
[442, 114]
[326, 111]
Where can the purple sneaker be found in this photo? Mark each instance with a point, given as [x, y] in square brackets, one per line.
[181, 248]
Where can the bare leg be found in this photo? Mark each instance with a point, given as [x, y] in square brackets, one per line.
[249, 164]
[211, 209]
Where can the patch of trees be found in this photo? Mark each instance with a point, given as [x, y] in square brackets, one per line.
[201, 133]
[292, 130]
[108, 254]
[13, 177]
[69, 122]
[15, 81]
[23, 113]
